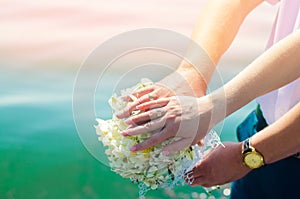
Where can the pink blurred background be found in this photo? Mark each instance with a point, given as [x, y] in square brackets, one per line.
[63, 33]
[42, 46]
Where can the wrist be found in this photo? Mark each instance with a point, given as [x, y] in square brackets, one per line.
[197, 81]
[218, 106]
[252, 157]
[257, 143]
[240, 156]
[212, 108]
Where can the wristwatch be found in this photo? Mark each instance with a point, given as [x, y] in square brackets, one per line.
[251, 157]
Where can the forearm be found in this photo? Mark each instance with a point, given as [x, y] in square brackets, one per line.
[281, 139]
[275, 68]
[215, 30]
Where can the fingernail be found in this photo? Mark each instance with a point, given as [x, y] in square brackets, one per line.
[133, 148]
[124, 133]
[119, 114]
[139, 107]
[128, 121]
[192, 181]
[165, 153]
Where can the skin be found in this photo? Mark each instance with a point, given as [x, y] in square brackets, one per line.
[182, 112]
[181, 118]
[217, 170]
[255, 78]
[215, 39]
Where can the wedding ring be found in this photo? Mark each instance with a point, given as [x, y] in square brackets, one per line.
[159, 113]
[148, 125]
[150, 97]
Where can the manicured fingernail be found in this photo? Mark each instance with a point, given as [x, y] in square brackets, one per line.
[139, 107]
[128, 121]
[133, 148]
[191, 182]
[119, 114]
[165, 153]
[124, 133]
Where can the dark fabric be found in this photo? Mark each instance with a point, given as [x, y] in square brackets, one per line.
[261, 121]
[248, 127]
[275, 181]
[253, 123]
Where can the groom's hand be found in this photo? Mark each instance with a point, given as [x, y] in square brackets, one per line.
[220, 166]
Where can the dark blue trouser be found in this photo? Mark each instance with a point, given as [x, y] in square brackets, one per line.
[278, 180]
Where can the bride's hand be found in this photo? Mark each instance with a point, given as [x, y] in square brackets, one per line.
[186, 82]
[149, 93]
[184, 117]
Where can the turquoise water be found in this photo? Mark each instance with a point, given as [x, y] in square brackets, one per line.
[41, 153]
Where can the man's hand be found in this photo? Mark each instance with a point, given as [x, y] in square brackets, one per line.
[220, 166]
[183, 117]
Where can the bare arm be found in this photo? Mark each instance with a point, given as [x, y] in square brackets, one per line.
[214, 31]
[280, 139]
[277, 141]
[275, 68]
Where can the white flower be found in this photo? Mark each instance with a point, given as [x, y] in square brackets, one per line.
[149, 166]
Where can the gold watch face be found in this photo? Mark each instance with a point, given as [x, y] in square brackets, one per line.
[253, 160]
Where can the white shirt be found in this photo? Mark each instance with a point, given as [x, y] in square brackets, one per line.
[275, 104]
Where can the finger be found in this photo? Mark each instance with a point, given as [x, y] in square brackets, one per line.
[132, 106]
[138, 93]
[176, 146]
[128, 98]
[141, 92]
[145, 117]
[155, 139]
[146, 128]
[188, 177]
[198, 170]
[153, 104]
[199, 181]
[123, 114]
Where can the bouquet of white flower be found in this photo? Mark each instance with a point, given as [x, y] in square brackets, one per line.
[149, 168]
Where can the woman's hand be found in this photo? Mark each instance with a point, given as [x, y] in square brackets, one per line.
[147, 94]
[186, 81]
[184, 117]
[219, 166]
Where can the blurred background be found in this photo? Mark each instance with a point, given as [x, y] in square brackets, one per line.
[42, 45]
